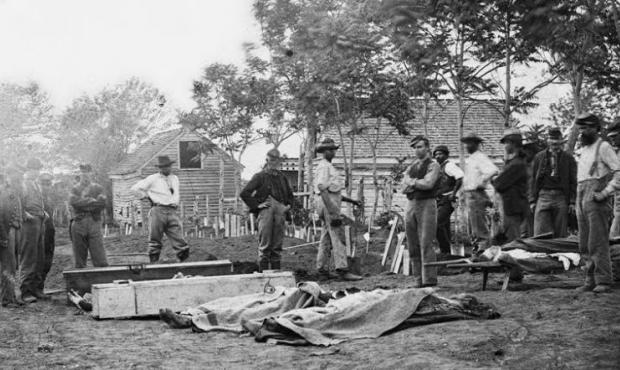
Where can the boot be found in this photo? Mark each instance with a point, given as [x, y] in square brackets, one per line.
[154, 257]
[348, 276]
[183, 255]
[602, 288]
[174, 320]
[41, 296]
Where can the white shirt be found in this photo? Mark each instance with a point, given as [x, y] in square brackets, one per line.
[453, 170]
[161, 189]
[607, 162]
[478, 171]
[327, 177]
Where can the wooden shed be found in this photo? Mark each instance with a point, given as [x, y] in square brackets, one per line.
[205, 173]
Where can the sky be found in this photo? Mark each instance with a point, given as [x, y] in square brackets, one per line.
[72, 47]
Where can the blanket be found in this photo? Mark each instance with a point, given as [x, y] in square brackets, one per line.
[308, 315]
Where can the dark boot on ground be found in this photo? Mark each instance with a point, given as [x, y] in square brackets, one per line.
[28, 297]
[41, 296]
[183, 255]
[348, 276]
[153, 258]
[585, 288]
[174, 320]
[602, 288]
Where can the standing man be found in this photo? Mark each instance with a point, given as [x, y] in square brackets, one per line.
[529, 150]
[511, 184]
[420, 182]
[11, 217]
[49, 244]
[31, 253]
[87, 200]
[613, 133]
[270, 197]
[598, 177]
[162, 190]
[553, 187]
[450, 182]
[328, 186]
[479, 169]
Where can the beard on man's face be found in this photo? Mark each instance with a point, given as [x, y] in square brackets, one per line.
[587, 138]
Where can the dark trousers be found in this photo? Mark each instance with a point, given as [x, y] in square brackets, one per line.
[421, 226]
[551, 213]
[8, 268]
[271, 224]
[86, 237]
[165, 220]
[512, 227]
[593, 220]
[31, 255]
[49, 245]
[444, 234]
[477, 202]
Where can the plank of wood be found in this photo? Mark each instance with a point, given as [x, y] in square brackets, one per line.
[347, 239]
[448, 262]
[398, 256]
[125, 259]
[81, 280]
[399, 243]
[145, 298]
[388, 242]
[406, 263]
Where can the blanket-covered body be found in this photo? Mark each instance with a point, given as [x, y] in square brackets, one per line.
[307, 315]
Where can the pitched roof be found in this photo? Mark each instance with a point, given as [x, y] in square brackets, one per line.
[442, 129]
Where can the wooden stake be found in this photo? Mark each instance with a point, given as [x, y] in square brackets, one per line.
[347, 239]
[227, 225]
[388, 242]
[252, 223]
[398, 260]
[399, 244]
[406, 262]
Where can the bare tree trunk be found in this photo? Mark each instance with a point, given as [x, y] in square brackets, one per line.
[309, 157]
[508, 97]
[576, 85]
[425, 113]
[375, 183]
[459, 122]
[300, 169]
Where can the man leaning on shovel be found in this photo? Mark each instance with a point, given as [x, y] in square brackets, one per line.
[329, 184]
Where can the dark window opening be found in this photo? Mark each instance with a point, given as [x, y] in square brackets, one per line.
[190, 154]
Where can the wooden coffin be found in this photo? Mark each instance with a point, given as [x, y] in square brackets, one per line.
[81, 280]
[145, 298]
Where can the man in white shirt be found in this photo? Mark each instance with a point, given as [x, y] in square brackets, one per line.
[162, 190]
[450, 182]
[598, 176]
[328, 186]
[479, 169]
[613, 133]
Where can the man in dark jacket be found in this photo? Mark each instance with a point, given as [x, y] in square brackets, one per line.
[449, 184]
[553, 187]
[511, 184]
[269, 196]
[11, 218]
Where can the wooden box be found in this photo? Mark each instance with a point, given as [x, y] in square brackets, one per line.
[145, 298]
[81, 280]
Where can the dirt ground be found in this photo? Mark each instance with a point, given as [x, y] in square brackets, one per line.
[545, 324]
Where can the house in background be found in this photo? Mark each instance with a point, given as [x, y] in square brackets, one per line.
[198, 170]
[441, 129]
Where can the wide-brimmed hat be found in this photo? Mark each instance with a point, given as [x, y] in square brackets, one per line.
[555, 136]
[614, 128]
[471, 137]
[164, 161]
[34, 164]
[512, 135]
[327, 144]
[441, 148]
[274, 153]
[588, 119]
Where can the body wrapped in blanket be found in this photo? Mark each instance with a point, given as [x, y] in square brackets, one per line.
[308, 315]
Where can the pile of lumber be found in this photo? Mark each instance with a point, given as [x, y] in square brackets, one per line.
[400, 259]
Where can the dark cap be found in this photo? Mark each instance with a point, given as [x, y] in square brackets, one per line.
[471, 137]
[327, 144]
[274, 153]
[513, 135]
[86, 168]
[588, 119]
[416, 139]
[441, 148]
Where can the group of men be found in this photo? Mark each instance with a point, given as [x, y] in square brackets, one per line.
[538, 191]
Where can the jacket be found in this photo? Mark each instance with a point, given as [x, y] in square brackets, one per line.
[262, 185]
[511, 183]
[567, 170]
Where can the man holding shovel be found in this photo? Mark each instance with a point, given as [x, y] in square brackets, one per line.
[329, 184]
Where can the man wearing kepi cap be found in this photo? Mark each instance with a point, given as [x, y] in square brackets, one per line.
[553, 187]
[450, 181]
[598, 176]
[328, 186]
[88, 201]
[162, 191]
[511, 184]
[613, 133]
[420, 185]
[479, 169]
[32, 253]
[270, 197]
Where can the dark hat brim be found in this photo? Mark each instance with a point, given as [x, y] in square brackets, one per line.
[168, 164]
[322, 148]
[473, 139]
[512, 137]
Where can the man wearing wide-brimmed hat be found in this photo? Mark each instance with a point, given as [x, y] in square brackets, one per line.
[553, 187]
[479, 169]
[32, 251]
[421, 185]
[270, 197]
[511, 184]
[598, 177]
[87, 201]
[162, 191]
[613, 134]
[450, 183]
[328, 186]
